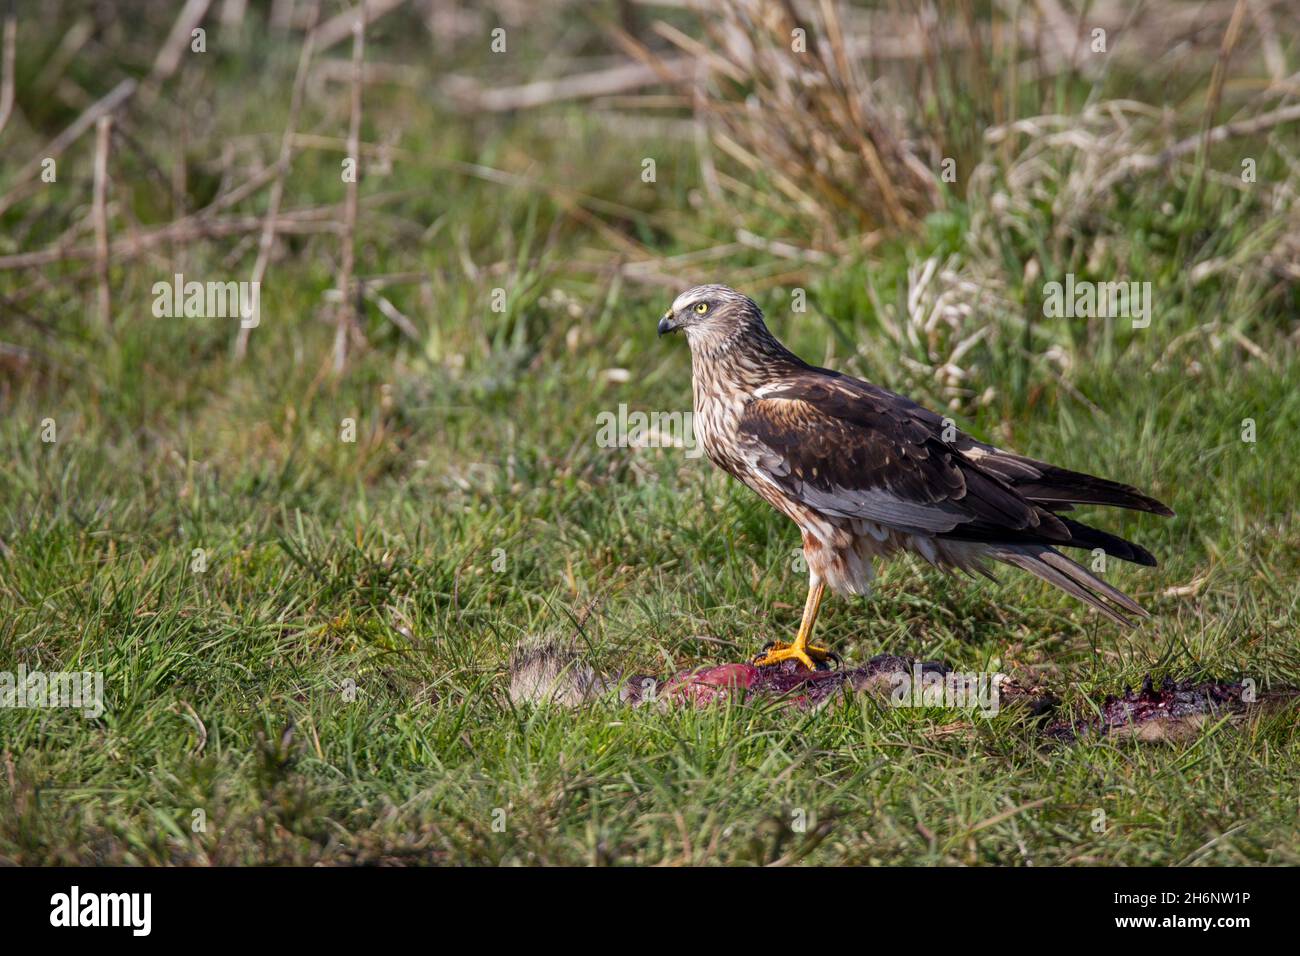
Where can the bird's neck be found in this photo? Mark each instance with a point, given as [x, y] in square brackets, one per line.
[742, 360]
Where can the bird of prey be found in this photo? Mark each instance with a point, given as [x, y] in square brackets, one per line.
[867, 473]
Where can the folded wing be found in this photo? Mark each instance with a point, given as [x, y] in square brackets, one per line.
[865, 454]
[852, 449]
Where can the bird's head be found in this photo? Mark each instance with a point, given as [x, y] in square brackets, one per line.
[711, 314]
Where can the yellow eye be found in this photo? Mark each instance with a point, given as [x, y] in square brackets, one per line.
[701, 307]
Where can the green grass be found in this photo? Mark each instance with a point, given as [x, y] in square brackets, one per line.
[333, 565]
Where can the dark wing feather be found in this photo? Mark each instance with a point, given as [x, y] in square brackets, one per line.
[863, 453]
[1059, 488]
[1055, 488]
[853, 449]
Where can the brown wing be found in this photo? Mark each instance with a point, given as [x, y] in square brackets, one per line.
[864, 453]
[1053, 487]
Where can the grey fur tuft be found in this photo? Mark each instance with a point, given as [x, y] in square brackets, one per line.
[548, 669]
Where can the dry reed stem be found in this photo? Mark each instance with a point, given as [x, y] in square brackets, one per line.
[173, 48]
[339, 28]
[797, 115]
[8, 53]
[467, 96]
[1230, 39]
[348, 324]
[267, 241]
[103, 138]
[55, 147]
[193, 228]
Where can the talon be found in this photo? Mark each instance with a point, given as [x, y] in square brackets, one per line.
[810, 656]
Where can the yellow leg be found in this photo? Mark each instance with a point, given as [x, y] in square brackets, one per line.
[801, 651]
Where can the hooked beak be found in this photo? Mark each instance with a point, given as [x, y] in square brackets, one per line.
[667, 324]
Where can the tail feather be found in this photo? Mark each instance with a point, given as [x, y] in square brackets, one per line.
[1068, 534]
[1084, 536]
[1056, 488]
[1072, 578]
[1060, 487]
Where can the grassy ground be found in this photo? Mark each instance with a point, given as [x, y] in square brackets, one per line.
[475, 507]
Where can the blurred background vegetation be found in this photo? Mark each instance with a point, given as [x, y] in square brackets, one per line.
[919, 170]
